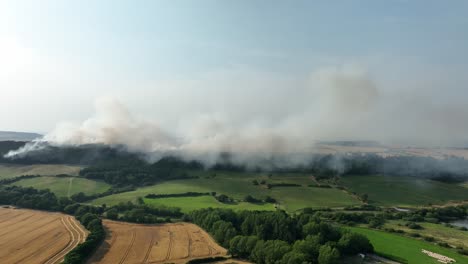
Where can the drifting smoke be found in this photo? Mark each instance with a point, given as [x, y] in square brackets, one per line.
[275, 123]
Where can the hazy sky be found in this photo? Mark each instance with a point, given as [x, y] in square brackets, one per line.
[239, 61]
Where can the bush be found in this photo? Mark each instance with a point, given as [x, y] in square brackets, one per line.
[429, 239]
[413, 225]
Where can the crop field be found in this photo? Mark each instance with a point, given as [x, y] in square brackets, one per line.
[406, 248]
[237, 186]
[404, 191]
[164, 243]
[65, 186]
[9, 171]
[28, 236]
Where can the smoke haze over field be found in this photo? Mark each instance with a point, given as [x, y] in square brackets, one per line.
[262, 121]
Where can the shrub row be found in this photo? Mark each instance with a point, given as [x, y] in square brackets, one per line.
[187, 194]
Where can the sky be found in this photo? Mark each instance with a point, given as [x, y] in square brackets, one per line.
[290, 67]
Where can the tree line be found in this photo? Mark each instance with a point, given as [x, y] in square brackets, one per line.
[276, 237]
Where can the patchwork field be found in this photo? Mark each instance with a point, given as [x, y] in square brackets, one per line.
[28, 236]
[404, 191]
[237, 186]
[406, 248]
[165, 243]
[10, 171]
[65, 186]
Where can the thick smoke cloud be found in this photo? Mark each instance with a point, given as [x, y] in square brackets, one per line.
[269, 119]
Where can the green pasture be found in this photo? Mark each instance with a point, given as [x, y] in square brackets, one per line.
[10, 171]
[238, 185]
[404, 191]
[452, 236]
[188, 204]
[407, 248]
[65, 186]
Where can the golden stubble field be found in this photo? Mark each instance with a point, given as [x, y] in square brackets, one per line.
[163, 243]
[29, 236]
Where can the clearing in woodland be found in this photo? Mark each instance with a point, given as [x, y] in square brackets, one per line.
[164, 243]
[28, 236]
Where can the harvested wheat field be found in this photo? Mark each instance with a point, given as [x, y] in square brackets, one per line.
[28, 236]
[164, 243]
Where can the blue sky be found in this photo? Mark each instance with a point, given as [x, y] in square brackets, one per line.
[62, 55]
[157, 37]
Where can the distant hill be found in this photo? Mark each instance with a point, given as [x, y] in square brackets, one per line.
[18, 136]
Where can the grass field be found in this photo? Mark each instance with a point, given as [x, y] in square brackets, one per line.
[406, 248]
[188, 204]
[452, 236]
[10, 171]
[64, 186]
[238, 185]
[404, 191]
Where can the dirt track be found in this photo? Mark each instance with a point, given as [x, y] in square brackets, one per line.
[28, 236]
[165, 243]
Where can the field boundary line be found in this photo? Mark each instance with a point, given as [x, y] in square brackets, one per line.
[81, 233]
[127, 251]
[72, 244]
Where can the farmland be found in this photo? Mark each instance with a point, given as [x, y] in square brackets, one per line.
[9, 171]
[404, 191]
[64, 186]
[406, 248]
[188, 204]
[165, 243]
[237, 186]
[446, 234]
[28, 236]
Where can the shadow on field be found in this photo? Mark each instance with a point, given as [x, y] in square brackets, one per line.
[103, 248]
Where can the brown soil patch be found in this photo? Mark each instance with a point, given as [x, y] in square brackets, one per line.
[28, 236]
[164, 243]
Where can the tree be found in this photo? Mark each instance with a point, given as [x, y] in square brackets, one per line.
[270, 251]
[328, 255]
[365, 197]
[112, 214]
[140, 200]
[309, 247]
[352, 243]
[269, 199]
[241, 246]
[294, 257]
[79, 197]
[223, 198]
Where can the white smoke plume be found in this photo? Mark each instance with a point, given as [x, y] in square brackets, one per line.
[342, 103]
